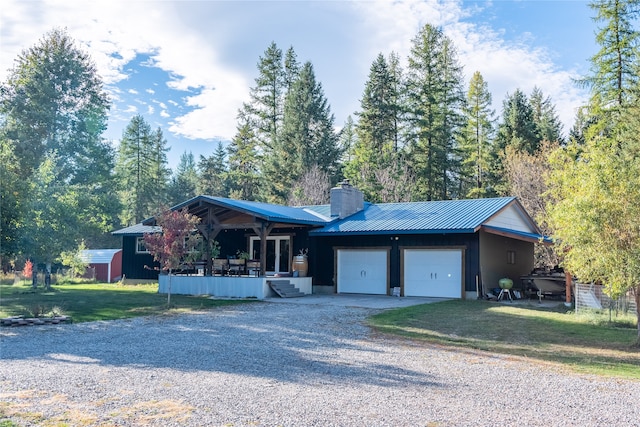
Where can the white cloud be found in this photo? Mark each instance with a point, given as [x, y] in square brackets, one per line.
[114, 32]
[505, 66]
[181, 41]
[132, 91]
[150, 109]
[164, 114]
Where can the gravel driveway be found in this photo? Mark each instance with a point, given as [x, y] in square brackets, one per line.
[270, 364]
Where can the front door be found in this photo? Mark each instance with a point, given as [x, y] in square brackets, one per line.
[278, 253]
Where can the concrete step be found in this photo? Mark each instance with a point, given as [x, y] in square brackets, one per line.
[284, 289]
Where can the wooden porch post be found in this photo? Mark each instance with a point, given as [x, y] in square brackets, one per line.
[209, 232]
[263, 232]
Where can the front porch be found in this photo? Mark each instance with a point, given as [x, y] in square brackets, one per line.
[229, 287]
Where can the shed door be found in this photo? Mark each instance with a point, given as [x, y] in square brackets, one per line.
[362, 271]
[433, 273]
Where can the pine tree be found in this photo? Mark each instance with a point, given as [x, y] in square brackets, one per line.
[614, 66]
[213, 173]
[348, 139]
[434, 100]
[267, 96]
[134, 169]
[545, 117]
[243, 173]
[376, 130]
[161, 174]
[185, 179]
[518, 128]
[476, 139]
[291, 69]
[307, 137]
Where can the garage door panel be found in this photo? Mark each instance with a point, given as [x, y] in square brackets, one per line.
[362, 271]
[433, 273]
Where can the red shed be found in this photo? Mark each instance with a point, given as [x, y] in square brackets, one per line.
[106, 262]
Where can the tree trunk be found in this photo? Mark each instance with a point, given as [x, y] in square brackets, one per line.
[169, 291]
[636, 294]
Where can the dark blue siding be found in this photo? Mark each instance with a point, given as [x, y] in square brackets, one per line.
[322, 264]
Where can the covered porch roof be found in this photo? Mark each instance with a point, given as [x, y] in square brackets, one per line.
[218, 213]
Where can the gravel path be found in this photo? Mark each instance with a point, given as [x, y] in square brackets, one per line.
[283, 365]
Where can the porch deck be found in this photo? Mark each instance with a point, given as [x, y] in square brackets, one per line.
[228, 287]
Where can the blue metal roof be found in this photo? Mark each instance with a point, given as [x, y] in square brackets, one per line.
[446, 216]
[266, 211]
[322, 210]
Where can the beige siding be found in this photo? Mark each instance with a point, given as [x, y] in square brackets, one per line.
[512, 219]
[494, 259]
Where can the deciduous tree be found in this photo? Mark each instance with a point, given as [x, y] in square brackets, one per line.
[53, 100]
[175, 243]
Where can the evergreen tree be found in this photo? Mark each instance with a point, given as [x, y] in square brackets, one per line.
[243, 173]
[453, 102]
[518, 128]
[545, 117]
[213, 173]
[376, 130]
[267, 96]
[398, 100]
[476, 140]
[307, 138]
[348, 139]
[184, 181]
[136, 169]
[291, 69]
[161, 173]
[434, 100]
[614, 67]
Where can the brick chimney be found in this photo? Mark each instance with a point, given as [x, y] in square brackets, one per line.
[346, 200]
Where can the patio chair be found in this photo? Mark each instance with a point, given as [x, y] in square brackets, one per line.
[237, 266]
[220, 266]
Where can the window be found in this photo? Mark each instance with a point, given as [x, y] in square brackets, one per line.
[511, 257]
[140, 246]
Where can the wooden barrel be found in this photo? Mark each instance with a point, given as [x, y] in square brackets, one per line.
[300, 265]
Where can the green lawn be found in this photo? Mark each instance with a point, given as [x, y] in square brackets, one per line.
[86, 302]
[583, 343]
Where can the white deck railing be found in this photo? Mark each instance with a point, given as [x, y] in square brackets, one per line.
[228, 287]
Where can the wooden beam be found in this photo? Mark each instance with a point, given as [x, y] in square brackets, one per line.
[262, 230]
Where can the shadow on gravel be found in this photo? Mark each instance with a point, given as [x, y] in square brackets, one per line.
[287, 343]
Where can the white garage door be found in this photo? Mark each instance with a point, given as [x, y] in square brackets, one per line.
[433, 273]
[362, 271]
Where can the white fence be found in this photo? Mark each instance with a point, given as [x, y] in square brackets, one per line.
[590, 296]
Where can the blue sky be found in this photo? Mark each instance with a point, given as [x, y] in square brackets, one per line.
[187, 66]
